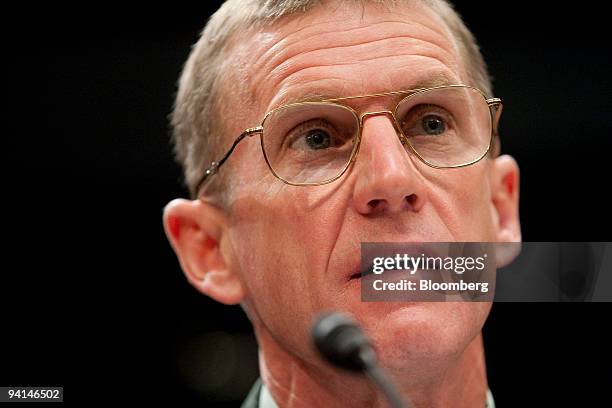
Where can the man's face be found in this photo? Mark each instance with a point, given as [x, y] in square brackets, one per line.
[296, 248]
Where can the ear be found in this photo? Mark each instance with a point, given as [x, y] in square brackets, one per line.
[505, 198]
[197, 232]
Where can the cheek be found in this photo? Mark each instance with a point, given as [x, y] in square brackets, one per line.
[462, 200]
[280, 253]
[268, 273]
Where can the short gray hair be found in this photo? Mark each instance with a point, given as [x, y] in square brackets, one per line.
[196, 124]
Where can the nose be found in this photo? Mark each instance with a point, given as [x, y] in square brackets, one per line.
[387, 178]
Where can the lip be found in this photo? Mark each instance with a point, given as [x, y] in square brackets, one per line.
[360, 273]
[357, 272]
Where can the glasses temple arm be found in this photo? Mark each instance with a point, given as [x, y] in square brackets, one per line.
[214, 166]
[495, 104]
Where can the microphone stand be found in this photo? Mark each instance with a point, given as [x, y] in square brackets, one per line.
[342, 343]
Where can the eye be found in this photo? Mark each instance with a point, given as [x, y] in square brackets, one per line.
[426, 120]
[315, 134]
[433, 124]
[318, 139]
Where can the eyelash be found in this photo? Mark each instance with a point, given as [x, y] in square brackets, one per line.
[298, 131]
[424, 110]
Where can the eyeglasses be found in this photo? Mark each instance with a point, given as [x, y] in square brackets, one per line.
[314, 143]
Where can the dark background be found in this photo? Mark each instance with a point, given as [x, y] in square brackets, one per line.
[92, 296]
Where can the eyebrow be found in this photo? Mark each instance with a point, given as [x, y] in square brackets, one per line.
[436, 79]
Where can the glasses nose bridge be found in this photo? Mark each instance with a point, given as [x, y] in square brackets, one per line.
[375, 113]
[391, 116]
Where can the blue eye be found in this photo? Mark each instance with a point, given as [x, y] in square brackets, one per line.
[318, 139]
[427, 120]
[433, 124]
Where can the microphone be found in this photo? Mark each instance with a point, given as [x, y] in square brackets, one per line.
[340, 340]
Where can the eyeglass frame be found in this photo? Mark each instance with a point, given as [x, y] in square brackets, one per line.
[495, 107]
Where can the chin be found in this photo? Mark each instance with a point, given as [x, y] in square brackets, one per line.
[424, 336]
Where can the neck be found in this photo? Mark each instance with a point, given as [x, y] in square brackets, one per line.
[294, 383]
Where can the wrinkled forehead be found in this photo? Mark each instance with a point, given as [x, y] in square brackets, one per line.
[341, 49]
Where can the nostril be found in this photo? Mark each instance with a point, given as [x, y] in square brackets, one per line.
[409, 202]
[379, 204]
[412, 200]
[374, 203]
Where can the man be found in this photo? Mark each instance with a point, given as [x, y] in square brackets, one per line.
[279, 213]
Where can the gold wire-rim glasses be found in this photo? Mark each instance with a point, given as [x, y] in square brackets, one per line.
[495, 107]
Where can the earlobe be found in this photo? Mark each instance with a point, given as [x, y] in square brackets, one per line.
[196, 231]
[505, 199]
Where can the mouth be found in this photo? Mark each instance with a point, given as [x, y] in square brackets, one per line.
[361, 273]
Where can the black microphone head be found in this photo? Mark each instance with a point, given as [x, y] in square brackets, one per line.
[342, 342]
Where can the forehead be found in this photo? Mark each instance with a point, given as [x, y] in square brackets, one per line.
[341, 49]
